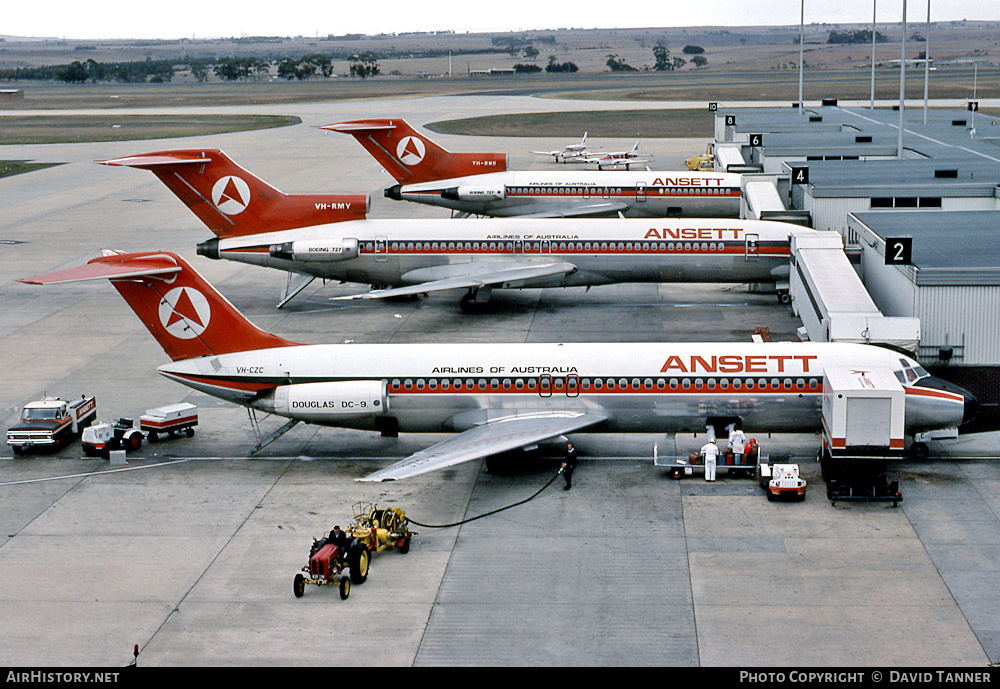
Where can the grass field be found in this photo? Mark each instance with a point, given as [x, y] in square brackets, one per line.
[56, 129]
[16, 167]
[613, 123]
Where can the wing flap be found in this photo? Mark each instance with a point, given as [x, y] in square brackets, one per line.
[476, 275]
[573, 211]
[488, 439]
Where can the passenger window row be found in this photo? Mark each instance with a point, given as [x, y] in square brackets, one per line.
[554, 246]
[605, 384]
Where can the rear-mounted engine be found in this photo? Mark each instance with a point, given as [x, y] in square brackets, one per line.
[316, 250]
[327, 401]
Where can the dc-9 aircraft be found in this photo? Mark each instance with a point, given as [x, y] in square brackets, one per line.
[481, 184]
[255, 223]
[494, 397]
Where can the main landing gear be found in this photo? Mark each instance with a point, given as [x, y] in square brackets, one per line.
[475, 300]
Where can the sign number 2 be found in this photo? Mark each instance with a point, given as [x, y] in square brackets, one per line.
[898, 251]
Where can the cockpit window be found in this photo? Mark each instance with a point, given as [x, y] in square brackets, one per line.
[911, 372]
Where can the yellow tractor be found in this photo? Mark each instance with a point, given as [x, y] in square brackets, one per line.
[377, 529]
[704, 162]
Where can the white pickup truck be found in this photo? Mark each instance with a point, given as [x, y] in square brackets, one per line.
[51, 422]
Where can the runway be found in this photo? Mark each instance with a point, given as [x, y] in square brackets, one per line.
[190, 552]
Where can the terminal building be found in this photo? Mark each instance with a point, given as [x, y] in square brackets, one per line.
[913, 258]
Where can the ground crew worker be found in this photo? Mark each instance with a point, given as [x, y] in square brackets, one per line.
[710, 451]
[737, 445]
[568, 465]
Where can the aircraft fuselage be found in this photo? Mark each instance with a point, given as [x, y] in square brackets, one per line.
[638, 387]
[635, 194]
[393, 252]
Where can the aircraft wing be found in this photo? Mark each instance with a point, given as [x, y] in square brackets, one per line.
[474, 275]
[490, 438]
[571, 211]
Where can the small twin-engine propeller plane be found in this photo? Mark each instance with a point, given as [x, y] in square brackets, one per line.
[481, 184]
[616, 158]
[495, 397]
[254, 223]
[571, 151]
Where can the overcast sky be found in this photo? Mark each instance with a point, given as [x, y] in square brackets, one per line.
[99, 19]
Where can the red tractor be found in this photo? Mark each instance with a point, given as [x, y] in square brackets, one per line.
[336, 565]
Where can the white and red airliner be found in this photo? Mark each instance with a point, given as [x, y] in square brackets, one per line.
[494, 397]
[254, 223]
[481, 184]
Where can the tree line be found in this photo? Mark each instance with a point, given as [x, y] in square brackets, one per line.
[663, 62]
[362, 65]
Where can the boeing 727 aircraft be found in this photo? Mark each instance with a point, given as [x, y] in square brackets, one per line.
[499, 396]
[484, 186]
[405, 257]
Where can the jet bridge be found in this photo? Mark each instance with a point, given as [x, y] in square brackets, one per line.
[831, 300]
[729, 158]
[761, 200]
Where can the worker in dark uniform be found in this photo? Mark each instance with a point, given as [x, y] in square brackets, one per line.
[341, 540]
[568, 465]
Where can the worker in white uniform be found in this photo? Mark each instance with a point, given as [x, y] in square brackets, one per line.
[737, 445]
[710, 451]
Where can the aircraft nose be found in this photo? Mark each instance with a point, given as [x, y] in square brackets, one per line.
[393, 192]
[970, 404]
[971, 407]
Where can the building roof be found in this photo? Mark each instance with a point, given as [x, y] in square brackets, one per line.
[954, 176]
[949, 247]
[948, 132]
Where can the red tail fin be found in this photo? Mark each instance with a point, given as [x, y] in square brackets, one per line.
[411, 157]
[186, 315]
[232, 202]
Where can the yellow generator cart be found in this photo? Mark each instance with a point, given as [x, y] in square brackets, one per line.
[378, 529]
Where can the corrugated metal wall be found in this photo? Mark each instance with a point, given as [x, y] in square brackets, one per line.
[831, 213]
[951, 312]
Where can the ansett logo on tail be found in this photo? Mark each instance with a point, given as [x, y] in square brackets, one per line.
[185, 313]
[410, 150]
[231, 195]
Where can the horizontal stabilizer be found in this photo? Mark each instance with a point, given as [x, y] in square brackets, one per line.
[491, 438]
[360, 126]
[151, 160]
[109, 267]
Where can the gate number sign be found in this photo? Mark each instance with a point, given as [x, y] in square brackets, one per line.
[898, 251]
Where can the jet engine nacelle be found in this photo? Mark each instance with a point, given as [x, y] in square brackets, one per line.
[318, 402]
[477, 193]
[316, 250]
